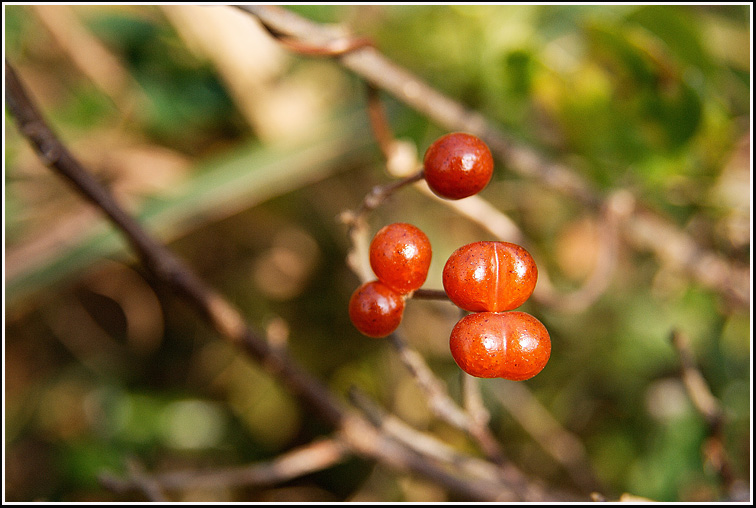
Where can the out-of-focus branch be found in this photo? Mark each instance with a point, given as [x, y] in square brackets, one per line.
[643, 229]
[163, 264]
[138, 480]
[310, 458]
[616, 208]
[562, 445]
[88, 53]
[713, 449]
[475, 467]
[442, 404]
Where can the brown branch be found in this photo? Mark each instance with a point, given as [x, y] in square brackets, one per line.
[519, 487]
[378, 122]
[90, 55]
[307, 459]
[442, 404]
[564, 446]
[708, 406]
[644, 229]
[617, 207]
[163, 264]
[137, 480]
[358, 434]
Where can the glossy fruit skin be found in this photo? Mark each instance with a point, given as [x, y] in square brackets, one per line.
[457, 165]
[490, 276]
[510, 345]
[400, 255]
[375, 309]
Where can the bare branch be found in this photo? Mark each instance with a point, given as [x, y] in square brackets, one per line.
[163, 264]
[137, 480]
[307, 459]
[713, 449]
[517, 485]
[562, 445]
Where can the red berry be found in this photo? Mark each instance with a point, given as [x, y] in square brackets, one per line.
[400, 255]
[457, 165]
[375, 309]
[510, 345]
[489, 276]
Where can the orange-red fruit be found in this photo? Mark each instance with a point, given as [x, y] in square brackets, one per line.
[457, 165]
[489, 276]
[400, 255]
[375, 309]
[510, 345]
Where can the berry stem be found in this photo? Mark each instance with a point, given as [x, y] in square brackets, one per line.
[429, 294]
[357, 257]
[381, 193]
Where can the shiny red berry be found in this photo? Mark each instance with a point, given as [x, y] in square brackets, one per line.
[489, 276]
[457, 165]
[400, 255]
[375, 309]
[510, 345]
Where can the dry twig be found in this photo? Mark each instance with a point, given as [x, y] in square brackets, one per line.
[708, 406]
[310, 458]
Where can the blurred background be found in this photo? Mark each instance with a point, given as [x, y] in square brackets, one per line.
[240, 156]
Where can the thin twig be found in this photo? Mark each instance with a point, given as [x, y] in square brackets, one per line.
[357, 226]
[315, 456]
[708, 406]
[379, 122]
[138, 481]
[563, 446]
[430, 294]
[419, 441]
[430, 446]
[441, 403]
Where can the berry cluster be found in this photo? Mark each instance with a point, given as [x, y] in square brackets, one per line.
[400, 255]
[489, 279]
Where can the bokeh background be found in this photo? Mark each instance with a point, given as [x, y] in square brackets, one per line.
[241, 155]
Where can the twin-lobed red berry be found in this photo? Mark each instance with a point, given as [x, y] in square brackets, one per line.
[490, 276]
[490, 279]
[400, 255]
[510, 345]
[457, 165]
